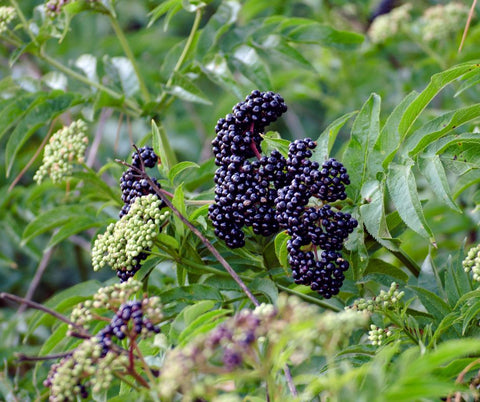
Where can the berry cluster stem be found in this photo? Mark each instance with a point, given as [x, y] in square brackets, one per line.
[197, 233]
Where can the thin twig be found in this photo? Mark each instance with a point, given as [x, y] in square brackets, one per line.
[288, 377]
[195, 231]
[37, 306]
[467, 25]
[24, 358]
[30, 162]
[36, 279]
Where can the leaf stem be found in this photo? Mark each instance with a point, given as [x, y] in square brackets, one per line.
[128, 52]
[37, 306]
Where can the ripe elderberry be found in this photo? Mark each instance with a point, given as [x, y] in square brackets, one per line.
[132, 184]
[245, 191]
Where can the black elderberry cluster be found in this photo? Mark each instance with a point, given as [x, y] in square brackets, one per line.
[131, 184]
[273, 193]
[317, 233]
[119, 325]
[245, 190]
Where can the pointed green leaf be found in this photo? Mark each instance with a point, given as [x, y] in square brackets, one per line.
[266, 287]
[373, 213]
[178, 202]
[162, 9]
[472, 313]
[121, 72]
[307, 31]
[434, 304]
[389, 139]
[183, 88]
[383, 272]
[246, 60]
[433, 170]
[326, 140]
[437, 83]
[403, 191]
[79, 224]
[179, 168]
[40, 114]
[216, 68]
[162, 147]
[55, 218]
[438, 127]
[365, 131]
[281, 248]
[15, 108]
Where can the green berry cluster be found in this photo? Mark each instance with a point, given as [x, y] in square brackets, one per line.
[385, 300]
[7, 15]
[84, 367]
[122, 244]
[471, 263]
[378, 335]
[66, 146]
[106, 298]
[388, 25]
[439, 21]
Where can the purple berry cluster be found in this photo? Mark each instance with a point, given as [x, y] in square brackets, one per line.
[128, 321]
[273, 193]
[245, 190]
[131, 184]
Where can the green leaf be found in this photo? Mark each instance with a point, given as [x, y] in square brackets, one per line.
[437, 83]
[215, 67]
[432, 169]
[79, 224]
[468, 316]
[277, 45]
[307, 31]
[120, 70]
[266, 287]
[469, 80]
[15, 108]
[383, 272]
[56, 338]
[247, 61]
[178, 202]
[365, 131]
[184, 88]
[226, 14]
[281, 248]
[180, 167]
[162, 9]
[50, 107]
[437, 307]
[168, 240]
[326, 140]
[373, 213]
[201, 324]
[162, 147]
[56, 217]
[440, 126]
[188, 294]
[403, 191]
[389, 139]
